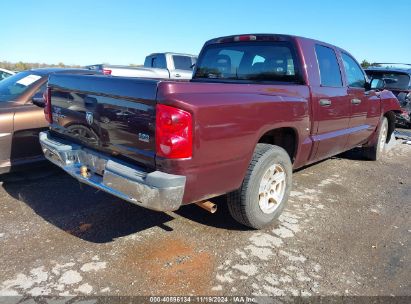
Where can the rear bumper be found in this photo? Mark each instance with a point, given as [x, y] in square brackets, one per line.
[155, 190]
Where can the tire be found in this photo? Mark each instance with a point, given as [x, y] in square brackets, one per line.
[254, 205]
[377, 151]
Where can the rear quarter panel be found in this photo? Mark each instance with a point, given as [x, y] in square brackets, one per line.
[229, 119]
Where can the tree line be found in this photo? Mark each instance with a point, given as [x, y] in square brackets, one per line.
[21, 66]
[365, 64]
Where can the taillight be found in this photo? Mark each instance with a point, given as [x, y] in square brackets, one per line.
[106, 72]
[47, 106]
[245, 38]
[174, 132]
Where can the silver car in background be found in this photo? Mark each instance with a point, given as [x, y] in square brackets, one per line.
[157, 65]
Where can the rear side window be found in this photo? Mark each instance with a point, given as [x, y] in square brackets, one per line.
[248, 62]
[182, 62]
[329, 69]
[355, 76]
[157, 61]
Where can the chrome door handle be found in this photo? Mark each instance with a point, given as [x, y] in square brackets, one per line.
[325, 102]
[355, 101]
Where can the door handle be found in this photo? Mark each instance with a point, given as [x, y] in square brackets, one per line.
[355, 101]
[325, 102]
[178, 75]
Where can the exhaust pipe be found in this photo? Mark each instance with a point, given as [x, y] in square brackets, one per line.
[207, 205]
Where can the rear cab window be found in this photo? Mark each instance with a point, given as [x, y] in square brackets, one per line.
[182, 62]
[255, 62]
[330, 73]
[156, 61]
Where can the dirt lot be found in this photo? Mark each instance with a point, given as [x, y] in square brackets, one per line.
[346, 230]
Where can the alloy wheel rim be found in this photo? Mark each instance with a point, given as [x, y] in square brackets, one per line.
[383, 138]
[272, 189]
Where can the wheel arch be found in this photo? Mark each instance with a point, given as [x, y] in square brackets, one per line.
[390, 115]
[284, 137]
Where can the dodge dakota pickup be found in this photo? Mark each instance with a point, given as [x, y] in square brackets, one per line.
[258, 107]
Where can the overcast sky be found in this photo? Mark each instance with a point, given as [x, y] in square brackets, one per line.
[125, 31]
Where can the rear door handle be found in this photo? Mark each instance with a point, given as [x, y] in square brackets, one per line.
[325, 102]
[178, 75]
[355, 101]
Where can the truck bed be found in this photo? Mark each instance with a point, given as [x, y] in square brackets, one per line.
[111, 115]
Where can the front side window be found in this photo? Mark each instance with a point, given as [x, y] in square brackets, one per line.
[355, 76]
[182, 62]
[330, 73]
[248, 62]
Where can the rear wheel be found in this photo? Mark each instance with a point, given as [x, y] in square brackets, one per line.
[265, 189]
[377, 151]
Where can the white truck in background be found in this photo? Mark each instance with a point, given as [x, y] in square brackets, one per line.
[157, 65]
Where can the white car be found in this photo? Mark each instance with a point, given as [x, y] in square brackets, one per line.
[5, 73]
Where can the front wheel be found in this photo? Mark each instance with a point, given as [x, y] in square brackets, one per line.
[265, 189]
[377, 151]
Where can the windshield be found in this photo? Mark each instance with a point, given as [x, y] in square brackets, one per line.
[392, 80]
[248, 62]
[13, 87]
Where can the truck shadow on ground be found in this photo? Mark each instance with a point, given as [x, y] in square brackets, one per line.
[80, 210]
[354, 154]
[96, 216]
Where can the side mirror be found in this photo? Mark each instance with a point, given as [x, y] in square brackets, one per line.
[38, 101]
[377, 84]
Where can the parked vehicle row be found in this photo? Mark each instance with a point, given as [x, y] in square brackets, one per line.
[158, 65]
[258, 107]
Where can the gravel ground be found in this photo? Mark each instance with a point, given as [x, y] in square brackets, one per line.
[345, 231]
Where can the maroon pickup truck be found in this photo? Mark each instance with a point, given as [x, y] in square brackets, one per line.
[258, 107]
